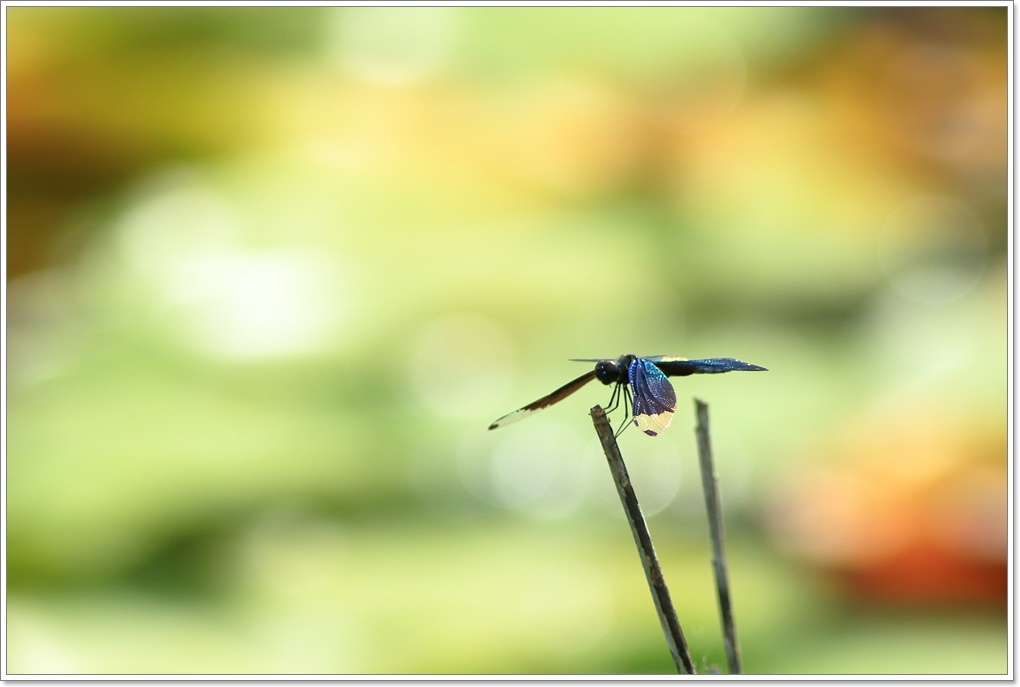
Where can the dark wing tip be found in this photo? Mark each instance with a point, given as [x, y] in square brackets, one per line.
[734, 365]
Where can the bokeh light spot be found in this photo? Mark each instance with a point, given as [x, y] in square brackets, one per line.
[538, 470]
[263, 304]
[390, 45]
[458, 365]
[933, 249]
[182, 243]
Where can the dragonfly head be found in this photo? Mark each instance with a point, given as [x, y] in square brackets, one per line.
[611, 371]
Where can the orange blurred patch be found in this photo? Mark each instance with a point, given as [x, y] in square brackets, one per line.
[912, 512]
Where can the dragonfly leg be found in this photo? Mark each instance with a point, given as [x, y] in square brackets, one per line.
[614, 400]
[627, 404]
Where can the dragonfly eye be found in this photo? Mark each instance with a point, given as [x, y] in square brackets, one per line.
[607, 372]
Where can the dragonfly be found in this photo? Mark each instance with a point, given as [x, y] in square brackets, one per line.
[641, 382]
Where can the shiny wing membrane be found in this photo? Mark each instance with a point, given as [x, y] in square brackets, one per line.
[654, 397]
[681, 367]
[545, 401]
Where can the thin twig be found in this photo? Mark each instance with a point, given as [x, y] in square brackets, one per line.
[715, 525]
[653, 571]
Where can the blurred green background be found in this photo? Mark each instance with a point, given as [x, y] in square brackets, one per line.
[272, 271]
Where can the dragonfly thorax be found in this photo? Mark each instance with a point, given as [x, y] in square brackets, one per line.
[613, 371]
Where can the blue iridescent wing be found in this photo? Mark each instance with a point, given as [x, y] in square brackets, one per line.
[546, 401]
[681, 367]
[654, 398]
